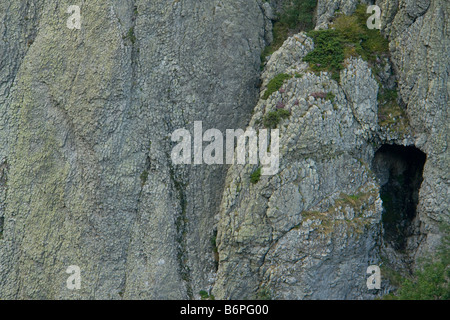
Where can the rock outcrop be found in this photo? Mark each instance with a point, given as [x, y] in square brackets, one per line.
[419, 35]
[86, 118]
[86, 176]
[310, 231]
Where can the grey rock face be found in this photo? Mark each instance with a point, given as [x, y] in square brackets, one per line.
[326, 10]
[87, 115]
[86, 176]
[419, 41]
[266, 238]
[299, 234]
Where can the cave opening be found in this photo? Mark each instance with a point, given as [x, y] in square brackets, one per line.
[400, 173]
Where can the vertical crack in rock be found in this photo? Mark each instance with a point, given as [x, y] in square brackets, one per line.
[181, 229]
[3, 193]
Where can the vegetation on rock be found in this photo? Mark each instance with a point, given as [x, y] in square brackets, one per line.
[431, 280]
[296, 15]
[348, 36]
[275, 84]
[273, 118]
[255, 176]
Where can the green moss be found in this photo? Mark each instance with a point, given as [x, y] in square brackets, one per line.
[2, 221]
[355, 200]
[348, 37]
[275, 84]
[390, 114]
[214, 242]
[205, 296]
[330, 96]
[273, 118]
[280, 33]
[431, 281]
[255, 176]
[264, 294]
[325, 226]
[353, 226]
[144, 177]
[130, 35]
[180, 223]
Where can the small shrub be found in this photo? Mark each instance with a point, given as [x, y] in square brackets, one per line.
[349, 28]
[432, 280]
[349, 37]
[275, 84]
[264, 294]
[328, 54]
[255, 176]
[283, 113]
[280, 33]
[429, 283]
[205, 296]
[330, 96]
[387, 96]
[273, 118]
[298, 14]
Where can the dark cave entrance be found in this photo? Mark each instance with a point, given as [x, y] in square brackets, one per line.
[399, 170]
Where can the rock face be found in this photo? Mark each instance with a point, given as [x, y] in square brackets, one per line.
[326, 9]
[85, 132]
[86, 176]
[419, 40]
[310, 231]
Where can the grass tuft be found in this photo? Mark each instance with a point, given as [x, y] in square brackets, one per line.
[349, 36]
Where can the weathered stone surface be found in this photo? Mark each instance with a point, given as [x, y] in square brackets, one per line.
[326, 10]
[418, 32]
[310, 231]
[419, 40]
[86, 112]
[85, 171]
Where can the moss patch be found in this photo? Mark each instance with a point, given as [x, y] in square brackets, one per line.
[328, 223]
[205, 296]
[255, 176]
[144, 177]
[348, 37]
[273, 118]
[130, 35]
[275, 84]
[390, 114]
